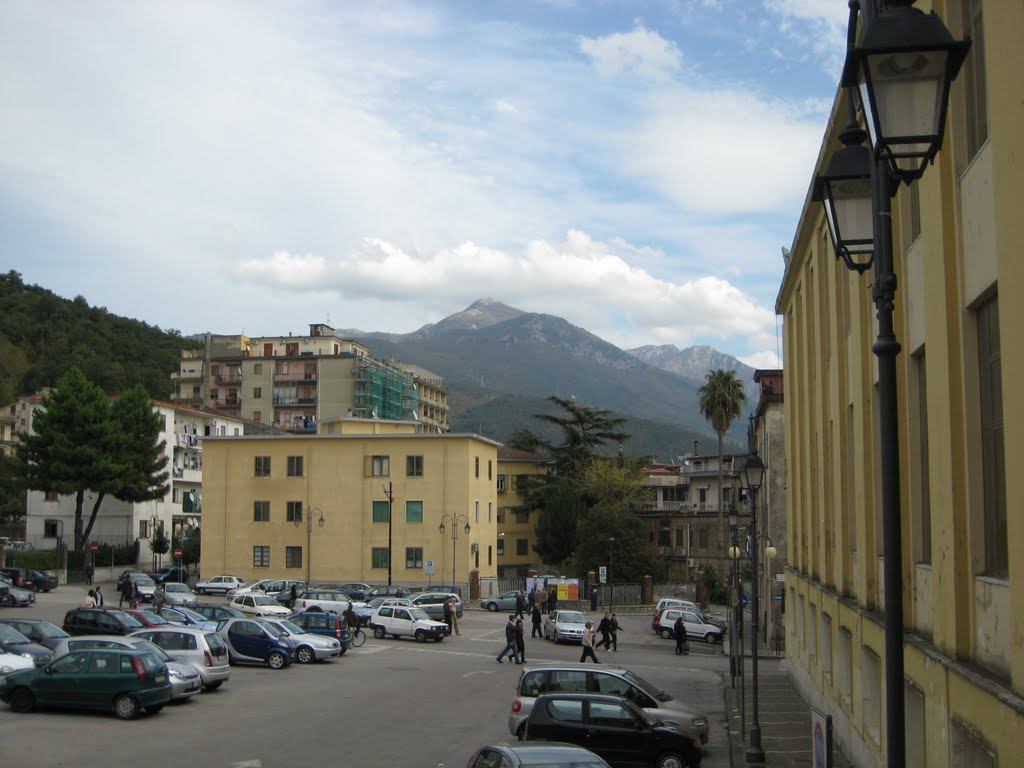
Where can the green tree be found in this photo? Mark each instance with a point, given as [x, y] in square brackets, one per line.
[633, 558]
[556, 524]
[191, 546]
[140, 456]
[159, 542]
[721, 400]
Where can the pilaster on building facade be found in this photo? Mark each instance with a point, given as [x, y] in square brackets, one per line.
[294, 382]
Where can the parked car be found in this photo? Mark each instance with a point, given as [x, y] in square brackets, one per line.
[17, 596]
[506, 601]
[174, 593]
[186, 617]
[259, 605]
[146, 588]
[255, 641]
[322, 601]
[406, 621]
[127, 576]
[543, 754]
[12, 662]
[37, 630]
[19, 577]
[696, 627]
[219, 585]
[669, 602]
[326, 625]
[100, 621]
[218, 612]
[185, 680]
[272, 587]
[12, 641]
[309, 646]
[612, 727]
[613, 681]
[203, 649]
[148, 618]
[363, 612]
[433, 603]
[390, 590]
[171, 573]
[564, 625]
[124, 680]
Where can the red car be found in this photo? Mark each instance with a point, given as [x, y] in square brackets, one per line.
[148, 618]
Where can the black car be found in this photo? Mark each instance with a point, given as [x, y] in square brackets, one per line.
[100, 621]
[170, 573]
[612, 727]
[37, 630]
[26, 578]
[12, 641]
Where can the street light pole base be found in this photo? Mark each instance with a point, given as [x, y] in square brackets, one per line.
[755, 754]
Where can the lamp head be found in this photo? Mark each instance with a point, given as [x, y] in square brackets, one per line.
[753, 472]
[770, 552]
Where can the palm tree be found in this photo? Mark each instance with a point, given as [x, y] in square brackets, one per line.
[721, 400]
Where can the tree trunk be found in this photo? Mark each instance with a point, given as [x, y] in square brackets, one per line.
[721, 512]
[79, 502]
[92, 518]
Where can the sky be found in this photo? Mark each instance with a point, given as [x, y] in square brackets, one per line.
[253, 167]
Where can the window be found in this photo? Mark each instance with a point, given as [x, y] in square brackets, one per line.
[214, 394]
[522, 518]
[262, 466]
[490, 470]
[414, 511]
[845, 671]
[476, 467]
[258, 369]
[51, 529]
[923, 506]
[973, 77]
[522, 546]
[143, 529]
[968, 751]
[566, 710]
[51, 496]
[501, 547]
[490, 511]
[502, 515]
[261, 557]
[294, 466]
[257, 415]
[501, 483]
[294, 512]
[490, 555]
[414, 466]
[871, 681]
[293, 557]
[261, 511]
[257, 392]
[380, 466]
[992, 452]
[381, 512]
[477, 512]
[826, 646]
[414, 557]
[379, 557]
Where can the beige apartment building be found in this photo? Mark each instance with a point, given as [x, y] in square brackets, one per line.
[294, 382]
[517, 528]
[958, 245]
[347, 502]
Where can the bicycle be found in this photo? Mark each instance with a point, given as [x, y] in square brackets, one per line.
[358, 637]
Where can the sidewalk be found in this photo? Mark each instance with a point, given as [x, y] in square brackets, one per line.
[785, 718]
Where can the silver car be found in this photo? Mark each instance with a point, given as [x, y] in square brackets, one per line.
[185, 679]
[16, 595]
[173, 593]
[310, 647]
[203, 649]
[565, 625]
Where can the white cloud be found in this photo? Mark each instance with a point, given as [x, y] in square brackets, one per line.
[642, 51]
[817, 26]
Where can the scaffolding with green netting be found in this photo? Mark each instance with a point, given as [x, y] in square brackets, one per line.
[383, 391]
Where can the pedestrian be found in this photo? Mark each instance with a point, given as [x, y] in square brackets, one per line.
[90, 600]
[520, 604]
[350, 617]
[535, 617]
[293, 597]
[679, 630]
[99, 597]
[122, 589]
[448, 614]
[531, 598]
[520, 634]
[615, 632]
[510, 641]
[455, 614]
[605, 628]
[89, 572]
[552, 599]
[133, 594]
[588, 644]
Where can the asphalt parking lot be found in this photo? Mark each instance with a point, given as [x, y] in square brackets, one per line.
[389, 703]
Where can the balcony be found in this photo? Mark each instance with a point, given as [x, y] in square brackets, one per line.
[673, 553]
[231, 378]
[667, 506]
[187, 475]
[293, 400]
[297, 377]
[187, 374]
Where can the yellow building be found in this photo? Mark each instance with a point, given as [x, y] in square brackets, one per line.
[958, 247]
[517, 530]
[318, 506]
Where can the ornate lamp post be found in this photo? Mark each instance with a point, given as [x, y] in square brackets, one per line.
[734, 556]
[454, 521]
[611, 566]
[902, 69]
[308, 516]
[752, 476]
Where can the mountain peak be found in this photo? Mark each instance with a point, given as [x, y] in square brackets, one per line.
[482, 313]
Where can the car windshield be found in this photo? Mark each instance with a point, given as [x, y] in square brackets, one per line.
[188, 614]
[272, 628]
[11, 635]
[175, 587]
[145, 645]
[144, 581]
[265, 600]
[571, 617]
[419, 613]
[127, 620]
[155, 619]
[48, 630]
[646, 687]
[295, 629]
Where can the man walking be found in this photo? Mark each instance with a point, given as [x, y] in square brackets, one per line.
[99, 597]
[535, 617]
[520, 605]
[588, 644]
[448, 614]
[455, 614]
[520, 635]
[615, 632]
[510, 641]
[679, 630]
[605, 628]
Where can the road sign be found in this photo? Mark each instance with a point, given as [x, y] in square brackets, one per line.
[603, 572]
[178, 553]
[94, 546]
[821, 738]
[745, 601]
[429, 569]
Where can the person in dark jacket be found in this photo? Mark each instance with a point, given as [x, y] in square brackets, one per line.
[520, 636]
[510, 641]
[520, 605]
[605, 628]
[293, 597]
[448, 614]
[552, 599]
[535, 617]
[679, 630]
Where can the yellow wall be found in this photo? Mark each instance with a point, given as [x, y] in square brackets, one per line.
[965, 626]
[335, 482]
[508, 500]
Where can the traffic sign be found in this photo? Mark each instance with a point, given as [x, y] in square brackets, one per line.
[603, 570]
[178, 553]
[94, 546]
[745, 601]
[429, 569]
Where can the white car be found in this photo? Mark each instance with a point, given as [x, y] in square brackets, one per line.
[268, 587]
[219, 585]
[323, 601]
[259, 605]
[696, 627]
[310, 647]
[363, 612]
[406, 621]
[12, 662]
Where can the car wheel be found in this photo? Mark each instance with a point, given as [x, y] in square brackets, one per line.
[22, 700]
[521, 730]
[214, 685]
[421, 636]
[342, 653]
[667, 634]
[276, 660]
[711, 637]
[492, 607]
[126, 707]
[671, 760]
[200, 591]
[439, 638]
[378, 632]
[305, 655]
[154, 708]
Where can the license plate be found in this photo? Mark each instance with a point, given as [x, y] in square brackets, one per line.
[161, 678]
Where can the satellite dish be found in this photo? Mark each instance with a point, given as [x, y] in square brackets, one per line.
[193, 522]
[373, 414]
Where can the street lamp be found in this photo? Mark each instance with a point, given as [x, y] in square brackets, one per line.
[391, 508]
[611, 566]
[902, 68]
[752, 477]
[310, 512]
[454, 520]
[734, 555]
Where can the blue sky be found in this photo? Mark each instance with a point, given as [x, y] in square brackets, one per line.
[634, 167]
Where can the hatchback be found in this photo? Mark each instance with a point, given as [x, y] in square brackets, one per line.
[217, 612]
[433, 603]
[123, 680]
[565, 625]
[309, 646]
[12, 641]
[174, 593]
[204, 650]
[326, 625]
[506, 601]
[100, 621]
[37, 630]
[186, 617]
[614, 728]
[542, 754]
[255, 641]
[696, 627]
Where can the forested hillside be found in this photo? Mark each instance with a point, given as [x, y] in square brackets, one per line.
[42, 335]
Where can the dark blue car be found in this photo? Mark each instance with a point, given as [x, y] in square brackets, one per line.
[326, 624]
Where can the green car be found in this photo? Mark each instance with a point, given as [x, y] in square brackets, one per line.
[124, 680]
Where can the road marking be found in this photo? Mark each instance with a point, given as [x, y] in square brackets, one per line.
[248, 764]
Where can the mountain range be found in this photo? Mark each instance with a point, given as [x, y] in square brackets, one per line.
[499, 364]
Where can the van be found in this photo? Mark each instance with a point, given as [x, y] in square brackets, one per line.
[579, 678]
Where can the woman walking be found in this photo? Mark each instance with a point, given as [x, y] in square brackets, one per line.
[588, 644]
[520, 633]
